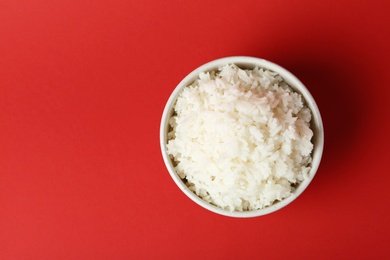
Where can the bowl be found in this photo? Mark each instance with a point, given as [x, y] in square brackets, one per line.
[245, 62]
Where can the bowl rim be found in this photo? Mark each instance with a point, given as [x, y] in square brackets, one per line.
[294, 83]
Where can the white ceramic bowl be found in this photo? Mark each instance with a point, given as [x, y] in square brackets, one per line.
[245, 63]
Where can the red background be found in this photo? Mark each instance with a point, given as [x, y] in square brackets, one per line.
[82, 88]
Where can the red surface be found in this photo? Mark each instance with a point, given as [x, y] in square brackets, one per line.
[82, 88]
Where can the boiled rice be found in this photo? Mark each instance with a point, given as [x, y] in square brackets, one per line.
[240, 139]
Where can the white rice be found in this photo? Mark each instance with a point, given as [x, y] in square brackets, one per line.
[241, 139]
